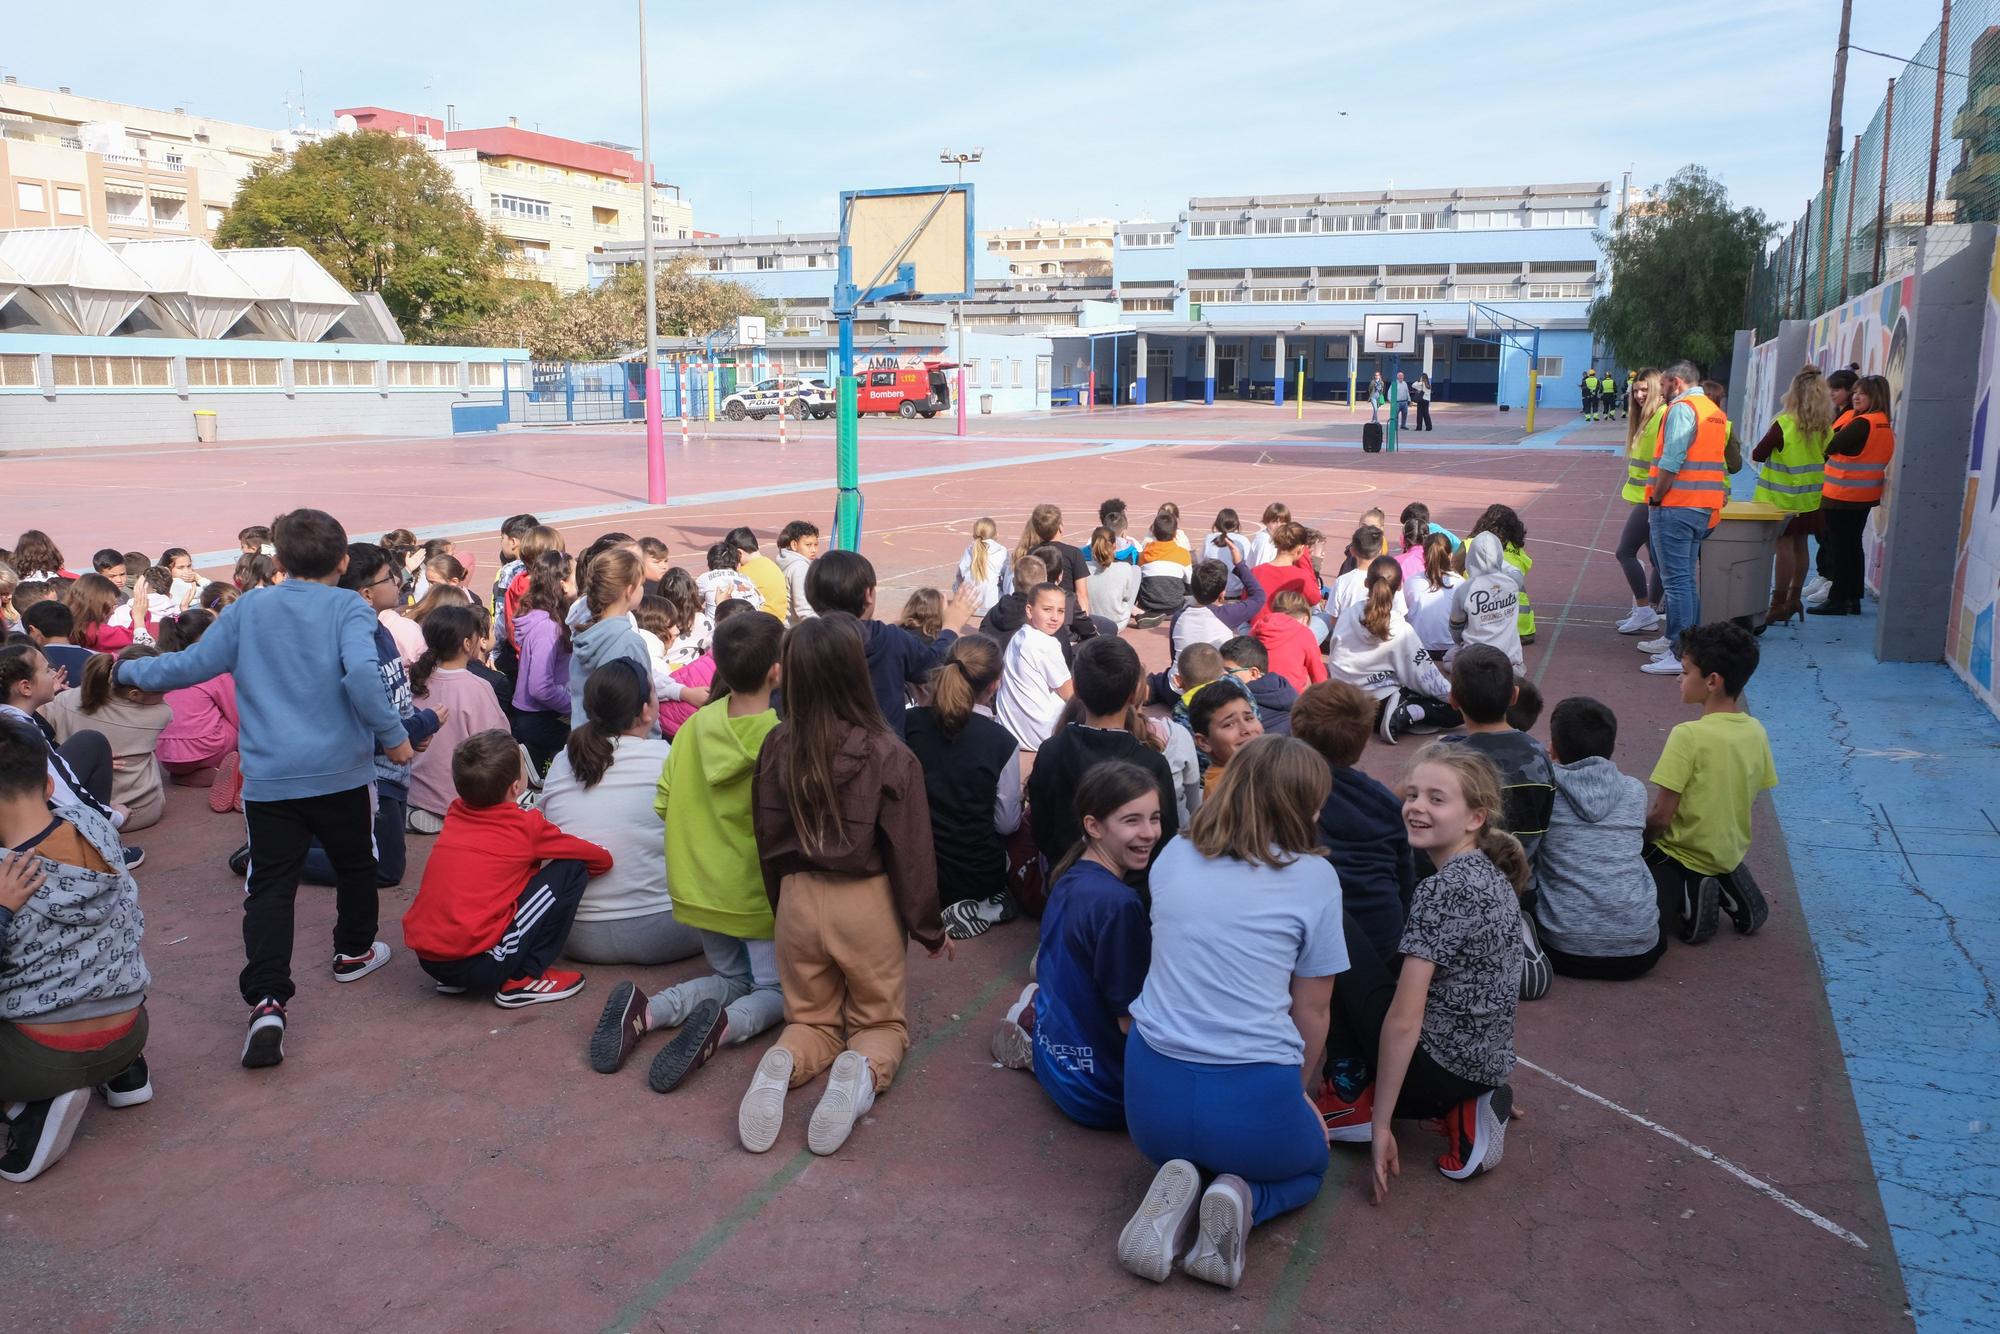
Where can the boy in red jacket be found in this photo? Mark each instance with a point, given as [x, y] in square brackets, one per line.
[501, 887]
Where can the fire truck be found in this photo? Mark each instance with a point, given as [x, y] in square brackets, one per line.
[907, 391]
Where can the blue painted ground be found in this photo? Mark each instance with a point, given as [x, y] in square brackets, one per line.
[1889, 796]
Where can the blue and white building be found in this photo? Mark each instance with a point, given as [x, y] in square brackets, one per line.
[1213, 303]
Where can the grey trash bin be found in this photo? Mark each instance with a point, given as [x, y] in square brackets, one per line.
[204, 426]
[1736, 560]
[986, 405]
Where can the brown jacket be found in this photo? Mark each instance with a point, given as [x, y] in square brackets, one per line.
[885, 823]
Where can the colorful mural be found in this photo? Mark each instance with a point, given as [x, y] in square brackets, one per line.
[1763, 393]
[1969, 643]
[1871, 332]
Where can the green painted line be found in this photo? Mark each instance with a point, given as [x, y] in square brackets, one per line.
[1306, 1251]
[685, 1264]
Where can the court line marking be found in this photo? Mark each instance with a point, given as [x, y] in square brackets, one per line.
[1762, 1187]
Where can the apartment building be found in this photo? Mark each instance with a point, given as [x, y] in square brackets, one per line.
[554, 202]
[126, 172]
[1041, 249]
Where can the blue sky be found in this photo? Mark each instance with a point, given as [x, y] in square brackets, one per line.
[1124, 110]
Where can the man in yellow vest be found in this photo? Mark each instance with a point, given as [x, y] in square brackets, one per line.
[1590, 394]
[1687, 488]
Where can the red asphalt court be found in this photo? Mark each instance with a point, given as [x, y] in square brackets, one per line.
[423, 1163]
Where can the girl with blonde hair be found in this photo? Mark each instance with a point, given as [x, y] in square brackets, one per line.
[985, 566]
[1791, 470]
[1646, 411]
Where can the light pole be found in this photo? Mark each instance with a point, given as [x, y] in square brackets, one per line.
[656, 447]
[959, 160]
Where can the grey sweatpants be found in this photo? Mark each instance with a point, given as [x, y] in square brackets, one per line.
[654, 938]
[745, 984]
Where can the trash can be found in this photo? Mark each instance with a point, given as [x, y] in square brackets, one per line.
[1736, 560]
[986, 405]
[204, 426]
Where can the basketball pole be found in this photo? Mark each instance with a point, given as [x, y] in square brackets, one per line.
[1389, 388]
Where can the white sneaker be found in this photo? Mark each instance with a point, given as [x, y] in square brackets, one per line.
[850, 1092]
[761, 1114]
[1217, 1254]
[1816, 589]
[1666, 664]
[1639, 621]
[1159, 1227]
[1654, 647]
[354, 967]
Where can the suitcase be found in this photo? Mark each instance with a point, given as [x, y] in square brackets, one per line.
[1371, 438]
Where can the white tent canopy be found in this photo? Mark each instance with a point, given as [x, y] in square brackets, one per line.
[77, 273]
[191, 282]
[299, 298]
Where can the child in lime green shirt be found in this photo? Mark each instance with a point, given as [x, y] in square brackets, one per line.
[1706, 780]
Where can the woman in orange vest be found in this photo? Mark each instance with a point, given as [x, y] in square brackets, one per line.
[1857, 465]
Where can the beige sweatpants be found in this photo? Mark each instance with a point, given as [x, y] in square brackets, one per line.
[841, 963]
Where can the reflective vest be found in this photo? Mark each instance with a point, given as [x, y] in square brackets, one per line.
[1858, 478]
[1639, 456]
[1790, 479]
[1590, 384]
[1703, 481]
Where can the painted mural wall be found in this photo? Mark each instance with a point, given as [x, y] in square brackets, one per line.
[1763, 393]
[1873, 332]
[1969, 642]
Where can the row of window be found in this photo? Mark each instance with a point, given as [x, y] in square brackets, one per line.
[1333, 224]
[994, 371]
[18, 371]
[1048, 243]
[767, 263]
[1222, 296]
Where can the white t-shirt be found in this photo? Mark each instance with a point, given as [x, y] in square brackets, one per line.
[1347, 590]
[1263, 549]
[1228, 938]
[997, 574]
[1030, 674]
[1227, 548]
[1430, 610]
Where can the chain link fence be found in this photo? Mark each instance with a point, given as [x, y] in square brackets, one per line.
[1930, 154]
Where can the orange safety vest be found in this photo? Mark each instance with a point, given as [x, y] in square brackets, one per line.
[1703, 481]
[1858, 478]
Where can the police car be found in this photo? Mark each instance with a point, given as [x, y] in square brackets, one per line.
[795, 396]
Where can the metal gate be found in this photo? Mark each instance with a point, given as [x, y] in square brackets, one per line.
[581, 391]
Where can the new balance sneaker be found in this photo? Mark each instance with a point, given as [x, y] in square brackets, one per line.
[421, 821]
[1346, 1122]
[354, 967]
[1701, 902]
[1219, 1241]
[619, 1028]
[1653, 648]
[1742, 900]
[40, 1134]
[1013, 1044]
[1536, 970]
[264, 1044]
[703, 1034]
[134, 857]
[228, 785]
[1475, 1134]
[1641, 620]
[975, 917]
[553, 985]
[850, 1092]
[130, 1087]
[1662, 664]
[761, 1114]
[239, 862]
[1158, 1229]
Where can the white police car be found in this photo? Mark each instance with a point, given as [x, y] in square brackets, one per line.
[796, 396]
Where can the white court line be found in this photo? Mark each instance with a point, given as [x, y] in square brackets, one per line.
[1765, 1188]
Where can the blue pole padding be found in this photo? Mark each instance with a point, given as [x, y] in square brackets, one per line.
[1139, 392]
[1208, 390]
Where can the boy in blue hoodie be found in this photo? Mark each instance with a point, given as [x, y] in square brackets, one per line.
[313, 708]
[845, 581]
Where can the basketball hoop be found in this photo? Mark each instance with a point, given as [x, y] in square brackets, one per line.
[1387, 334]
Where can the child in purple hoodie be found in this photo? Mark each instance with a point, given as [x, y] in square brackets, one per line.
[541, 690]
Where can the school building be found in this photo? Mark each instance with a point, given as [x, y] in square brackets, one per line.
[1240, 294]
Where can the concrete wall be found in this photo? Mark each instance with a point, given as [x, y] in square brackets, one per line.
[34, 422]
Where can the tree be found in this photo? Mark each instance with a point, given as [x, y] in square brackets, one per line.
[608, 321]
[1680, 262]
[380, 215]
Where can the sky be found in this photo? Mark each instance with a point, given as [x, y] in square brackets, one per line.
[1114, 109]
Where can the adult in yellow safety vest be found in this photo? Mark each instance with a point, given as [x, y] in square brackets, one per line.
[1686, 488]
[1791, 464]
[1646, 410]
[1590, 395]
[1857, 467]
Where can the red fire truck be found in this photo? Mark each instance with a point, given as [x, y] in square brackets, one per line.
[907, 391]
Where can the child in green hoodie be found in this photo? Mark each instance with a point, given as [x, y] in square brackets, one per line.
[712, 865]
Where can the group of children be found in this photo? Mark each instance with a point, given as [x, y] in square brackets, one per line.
[624, 764]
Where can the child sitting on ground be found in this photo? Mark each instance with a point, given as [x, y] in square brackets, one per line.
[1485, 609]
[1114, 584]
[1287, 637]
[1109, 685]
[1010, 613]
[501, 886]
[1526, 710]
[1373, 647]
[923, 614]
[704, 798]
[983, 567]
[1193, 668]
[1352, 585]
[130, 719]
[798, 548]
[1505, 524]
[897, 659]
[1209, 619]
[202, 736]
[73, 991]
[1069, 1025]
[1427, 596]
[1164, 567]
[1223, 718]
[1368, 518]
[1291, 565]
[50, 624]
[1247, 662]
[1704, 785]
[463, 703]
[1034, 678]
[1596, 905]
[723, 580]
[701, 672]
[1362, 821]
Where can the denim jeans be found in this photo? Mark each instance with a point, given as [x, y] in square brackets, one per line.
[1677, 532]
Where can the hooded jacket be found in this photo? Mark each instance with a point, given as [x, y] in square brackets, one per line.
[897, 658]
[885, 824]
[1485, 609]
[796, 567]
[1362, 827]
[1274, 696]
[543, 683]
[1597, 897]
[73, 949]
[1059, 768]
[475, 874]
[596, 644]
[1383, 666]
[704, 796]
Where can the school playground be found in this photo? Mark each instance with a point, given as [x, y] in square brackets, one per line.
[1793, 1130]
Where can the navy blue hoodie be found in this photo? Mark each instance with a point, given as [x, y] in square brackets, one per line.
[1362, 827]
[1274, 696]
[897, 658]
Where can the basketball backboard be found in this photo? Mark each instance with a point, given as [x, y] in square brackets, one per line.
[928, 227]
[1388, 334]
[749, 331]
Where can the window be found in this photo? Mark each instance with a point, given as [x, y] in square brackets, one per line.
[1508, 270]
[1219, 227]
[212, 215]
[972, 370]
[1214, 295]
[1277, 294]
[1014, 372]
[1559, 292]
[1412, 293]
[1280, 226]
[170, 212]
[882, 379]
[1280, 275]
[1484, 292]
[424, 374]
[482, 374]
[1470, 351]
[1342, 293]
[69, 201]
[715, 266]
[220, 372]
[111, 372]
[994, 368]
[18, 372]
[30, 197]
[1564, 217]
[1413, 222]
[1491, 220]
[521, 207]
[1551, 368]
[1352, 222]
[334, 374]
[1146, 304]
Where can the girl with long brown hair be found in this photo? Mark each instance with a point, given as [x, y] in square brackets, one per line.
[541, 685]
[844, 835]
[1427, 595]
[972, 778]
[92, 599]
[131, 720]
[1374, 647]
[1069, 571]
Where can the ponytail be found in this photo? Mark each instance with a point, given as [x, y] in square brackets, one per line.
[1141, 730]
[970, 669]
[613, 699]
[982, 556]
[1437, 560]
[95, 691]
[1507, 855]
[1385, 580]
[446, 629]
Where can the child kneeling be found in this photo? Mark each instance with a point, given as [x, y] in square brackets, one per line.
[501, 886]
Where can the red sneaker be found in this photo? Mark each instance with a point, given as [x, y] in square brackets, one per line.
[1347, 1122]
[228, 784]
[1475, 1134]
[554, 985]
